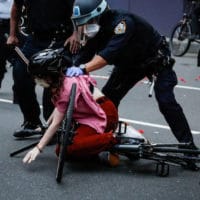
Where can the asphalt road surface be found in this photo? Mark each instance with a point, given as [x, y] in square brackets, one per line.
[91, 181]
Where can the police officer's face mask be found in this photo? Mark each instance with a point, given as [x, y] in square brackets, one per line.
[42, 82]
[90, 30]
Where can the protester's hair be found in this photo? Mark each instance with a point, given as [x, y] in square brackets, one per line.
[56, 86]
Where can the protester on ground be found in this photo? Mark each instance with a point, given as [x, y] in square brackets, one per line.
[95, 115]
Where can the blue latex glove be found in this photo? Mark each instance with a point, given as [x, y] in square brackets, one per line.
[74, 71]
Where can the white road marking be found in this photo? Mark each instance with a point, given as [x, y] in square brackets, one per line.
[126, 120]
[6, 101]
[152, 125]
[188, 87]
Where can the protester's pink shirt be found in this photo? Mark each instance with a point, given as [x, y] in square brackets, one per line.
[86, 110]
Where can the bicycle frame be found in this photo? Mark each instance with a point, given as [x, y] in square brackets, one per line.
[163, 154]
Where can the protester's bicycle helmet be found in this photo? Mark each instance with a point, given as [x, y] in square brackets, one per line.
[49, 62]
[85, 10]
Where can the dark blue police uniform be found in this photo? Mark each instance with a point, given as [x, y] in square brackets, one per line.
[47, 21]
[131, 44]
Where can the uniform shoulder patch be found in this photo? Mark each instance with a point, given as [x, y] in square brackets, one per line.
[120, 28]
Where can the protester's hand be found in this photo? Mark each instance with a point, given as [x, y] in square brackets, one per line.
[31, 155]
[74, 71]
[74, 41]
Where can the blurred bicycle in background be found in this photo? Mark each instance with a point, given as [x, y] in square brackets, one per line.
[183, 33]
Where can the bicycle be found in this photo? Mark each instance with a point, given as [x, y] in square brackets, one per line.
[132, 145]
[182, 34]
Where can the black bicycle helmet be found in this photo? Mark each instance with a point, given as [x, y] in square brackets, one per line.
[49, 62]
[85, 10]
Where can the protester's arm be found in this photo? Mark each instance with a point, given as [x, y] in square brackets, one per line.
[53, 127]
[55, 124]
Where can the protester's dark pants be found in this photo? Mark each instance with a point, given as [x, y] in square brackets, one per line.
[120, 82]
[24, 83]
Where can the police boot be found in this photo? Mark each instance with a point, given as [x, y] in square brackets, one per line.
[191, 164]
[29, 129]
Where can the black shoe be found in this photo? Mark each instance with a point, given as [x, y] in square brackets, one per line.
[191, 164]
[192, 146]
[28, 129]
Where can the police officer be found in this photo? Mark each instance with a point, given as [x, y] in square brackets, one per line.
[5, 6]
[136, 50]
[49, 25]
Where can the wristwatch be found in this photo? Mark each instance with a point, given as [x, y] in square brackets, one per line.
[83, 68]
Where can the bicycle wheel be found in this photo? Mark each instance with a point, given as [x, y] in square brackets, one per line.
[66, 134]
[180, 39]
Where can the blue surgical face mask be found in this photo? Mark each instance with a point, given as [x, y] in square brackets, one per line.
[90, 30]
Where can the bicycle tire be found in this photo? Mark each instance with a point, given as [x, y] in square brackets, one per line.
[180, 41]
[67, 127]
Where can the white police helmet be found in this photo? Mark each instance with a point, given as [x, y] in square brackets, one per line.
[85, 10]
